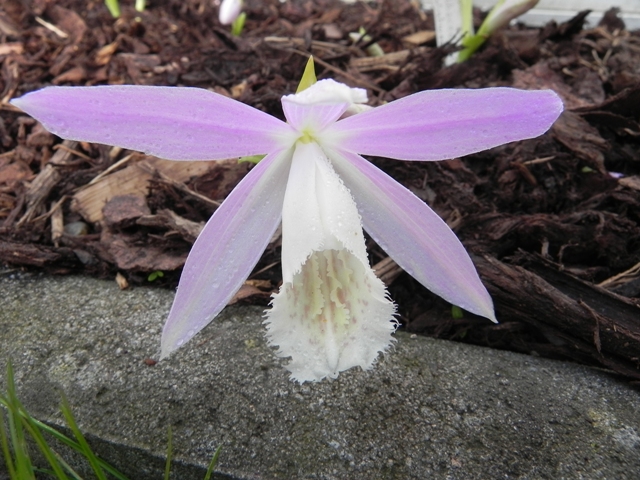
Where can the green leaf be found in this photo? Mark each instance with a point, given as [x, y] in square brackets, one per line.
[153, 276]
[308, 77]
[456, 312]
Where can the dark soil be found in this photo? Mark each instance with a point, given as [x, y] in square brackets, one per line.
[553, 223]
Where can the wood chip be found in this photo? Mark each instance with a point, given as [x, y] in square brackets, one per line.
[57, 224]
[418, 38]
[134, 179]
[188, 229]
[390, 61]
[122, 282]
[52, 27]
[103, 56]
[632, 182]
[46, 180]
[387, 270]
[13, 47]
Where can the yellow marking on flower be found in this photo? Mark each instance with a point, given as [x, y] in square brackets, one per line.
[306, 136]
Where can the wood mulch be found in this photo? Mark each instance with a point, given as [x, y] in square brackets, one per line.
[553, 223]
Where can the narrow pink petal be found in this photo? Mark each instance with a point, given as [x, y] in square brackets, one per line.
[413, 235]
[176, 123]
[227, 249]
[440, 124]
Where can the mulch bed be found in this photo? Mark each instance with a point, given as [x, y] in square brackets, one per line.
[553, 223]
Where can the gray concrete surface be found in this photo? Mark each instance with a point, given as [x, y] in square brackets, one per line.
[430, 409]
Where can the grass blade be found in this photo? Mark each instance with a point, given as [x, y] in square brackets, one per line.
[68, 467]
[167, 466]
[5, 447]
[86, 449]
[62, 438]
[37, 436]
[213, 463]
[24, 469]
[17, 415]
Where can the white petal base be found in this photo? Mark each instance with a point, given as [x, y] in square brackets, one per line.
[335, 315]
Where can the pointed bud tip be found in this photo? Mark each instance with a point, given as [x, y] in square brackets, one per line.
[308, 76]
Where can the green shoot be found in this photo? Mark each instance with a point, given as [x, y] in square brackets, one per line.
[153, 276]
[467, 17]
[140, 5]
[238, 24]
[456, 312]
[500, 15]
[308, 76]
[373, 50]
[114, 7]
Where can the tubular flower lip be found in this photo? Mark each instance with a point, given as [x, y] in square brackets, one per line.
[331, 313]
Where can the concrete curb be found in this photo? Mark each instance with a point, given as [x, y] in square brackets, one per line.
[430, 408]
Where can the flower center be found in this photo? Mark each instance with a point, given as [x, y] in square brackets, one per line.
[306, 136]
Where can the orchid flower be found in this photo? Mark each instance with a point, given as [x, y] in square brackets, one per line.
[331, 313]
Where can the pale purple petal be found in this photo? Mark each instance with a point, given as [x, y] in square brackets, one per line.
[440, 124]
[413, 235]
[227, 249]
[176, 123]
[315, 117]
[321, 104]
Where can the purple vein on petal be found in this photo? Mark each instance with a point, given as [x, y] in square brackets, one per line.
[176, 123]
[441, 124]
[413, 235]
[228, 248]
